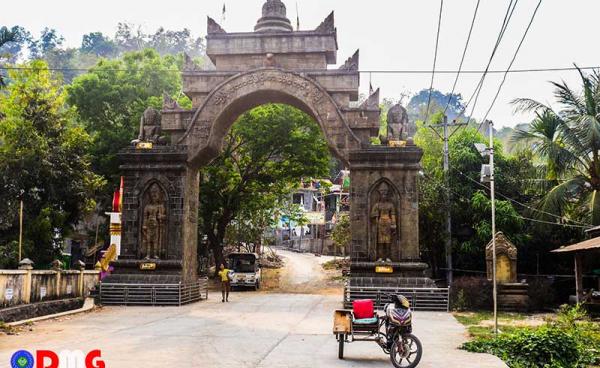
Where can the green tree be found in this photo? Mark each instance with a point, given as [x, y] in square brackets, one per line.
[12, 42]
[268, 150]
[49, 40]
[43, 161]
[342, 234]
[470, 208]
[112, 96]
[569, 142]
[98, 44]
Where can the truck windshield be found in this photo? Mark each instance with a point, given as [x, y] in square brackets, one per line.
[243, 265]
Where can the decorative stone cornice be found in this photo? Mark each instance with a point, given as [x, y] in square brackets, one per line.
[503, 246]
[214, 27]
[188, 64]
[351, 63]
[328, 25]
[371, 103]
[169, 103]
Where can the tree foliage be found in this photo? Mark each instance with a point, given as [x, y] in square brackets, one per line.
[267, 152]
[569, 142]
[341, 233]
[470, 204]
[44, 162]
[112, 96]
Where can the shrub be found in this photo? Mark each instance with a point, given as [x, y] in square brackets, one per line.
[471, 293]
[541, 294]
[544, 347]
[569, 342]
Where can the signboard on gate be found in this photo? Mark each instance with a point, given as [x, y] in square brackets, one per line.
[8, 294]
[315, 218]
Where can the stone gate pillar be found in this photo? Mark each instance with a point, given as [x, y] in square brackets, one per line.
[384, 215]
[159, 210]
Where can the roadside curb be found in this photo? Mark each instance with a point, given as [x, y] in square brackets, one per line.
[88, 305]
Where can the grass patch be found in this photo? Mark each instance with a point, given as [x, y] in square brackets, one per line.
[475, 318]
[485, 332]
[336, 264]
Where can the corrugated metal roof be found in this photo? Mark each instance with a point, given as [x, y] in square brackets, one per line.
[583, 246]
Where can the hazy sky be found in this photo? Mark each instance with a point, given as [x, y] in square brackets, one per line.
[391, 34]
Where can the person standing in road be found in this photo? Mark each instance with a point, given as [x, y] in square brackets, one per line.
[225, 282]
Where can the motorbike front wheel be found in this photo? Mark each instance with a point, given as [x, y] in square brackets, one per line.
[406, 351]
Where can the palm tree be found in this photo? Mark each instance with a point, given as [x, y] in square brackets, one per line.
[6, 36]
[569, 142]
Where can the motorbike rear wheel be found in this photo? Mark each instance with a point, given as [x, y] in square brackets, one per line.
[406, 351]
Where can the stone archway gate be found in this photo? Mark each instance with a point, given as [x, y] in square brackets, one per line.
[273, 64]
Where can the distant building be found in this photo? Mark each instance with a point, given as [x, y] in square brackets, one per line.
[323, 201]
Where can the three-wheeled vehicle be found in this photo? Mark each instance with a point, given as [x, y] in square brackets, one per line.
[391, 330]
[245, 269]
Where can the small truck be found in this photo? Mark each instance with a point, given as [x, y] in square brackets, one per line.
[246, 270]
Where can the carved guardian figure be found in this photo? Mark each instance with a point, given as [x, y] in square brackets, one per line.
[154, 223]
[383, 216]
[399, 126]
[150, 130]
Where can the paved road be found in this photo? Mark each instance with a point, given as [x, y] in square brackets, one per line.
[253, 330]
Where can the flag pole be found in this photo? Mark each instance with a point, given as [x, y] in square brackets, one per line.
[21, 231]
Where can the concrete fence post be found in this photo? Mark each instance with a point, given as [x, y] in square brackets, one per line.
[57, 267]
[26, 265]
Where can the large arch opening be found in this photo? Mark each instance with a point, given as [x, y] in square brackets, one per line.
[273, 173]
[243, 92]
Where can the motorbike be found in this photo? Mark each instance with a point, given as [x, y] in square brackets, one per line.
[392, 330]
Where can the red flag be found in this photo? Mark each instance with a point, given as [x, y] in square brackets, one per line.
[116, 201]
[121, 189]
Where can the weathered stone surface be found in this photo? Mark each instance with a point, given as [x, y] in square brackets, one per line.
[28, 311]
[166, 168]
[245, 91]
[506, 259]
[274, 18]
[274, 64]
[398, 168]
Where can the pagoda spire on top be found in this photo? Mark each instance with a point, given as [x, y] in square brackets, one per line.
[274, 18]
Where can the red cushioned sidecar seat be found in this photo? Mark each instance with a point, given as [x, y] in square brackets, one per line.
[363, 309]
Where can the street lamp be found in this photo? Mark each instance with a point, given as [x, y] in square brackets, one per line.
[487, 176]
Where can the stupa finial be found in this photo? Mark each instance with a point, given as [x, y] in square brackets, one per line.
[274, 18]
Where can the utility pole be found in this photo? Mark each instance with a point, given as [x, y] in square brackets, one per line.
[493, 197]
[487, 176]
[21, 231]
[445, 138]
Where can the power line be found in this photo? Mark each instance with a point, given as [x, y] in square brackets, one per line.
[435, 54]
[517, 216]
[378, 71]
[462, 60]
[507, 17]
[553, 223]
[512, 61]
[522, 204]
[495, 71]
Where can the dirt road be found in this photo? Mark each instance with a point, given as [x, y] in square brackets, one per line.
[303, 273]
